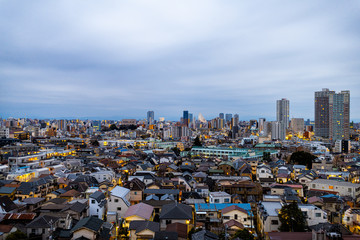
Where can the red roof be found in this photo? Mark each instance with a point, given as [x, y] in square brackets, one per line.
[233, 207]
[19, 216]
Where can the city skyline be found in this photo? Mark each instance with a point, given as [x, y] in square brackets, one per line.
[122, 59]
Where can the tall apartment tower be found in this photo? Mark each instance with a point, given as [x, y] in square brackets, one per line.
[322, 115]
[332, 114]
[339, 108]
[150, 117]
[282, 112]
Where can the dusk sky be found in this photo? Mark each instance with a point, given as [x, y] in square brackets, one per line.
[119, 59]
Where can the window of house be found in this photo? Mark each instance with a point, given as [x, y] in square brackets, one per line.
[226, 200]
[135, 193]
[168, 222]
[317, 215]
[245, 219]
[349, 189]
[274, 222]
[93, 201]
[226, 217]
[216, 200]
[33, 230]
[43, 230]
[97, 210]
[119, 208]
[116, 200]
[235, 216]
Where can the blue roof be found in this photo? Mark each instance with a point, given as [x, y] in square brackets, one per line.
[329, 196]
[219, 206]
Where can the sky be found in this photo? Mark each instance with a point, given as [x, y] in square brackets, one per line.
[119, 59]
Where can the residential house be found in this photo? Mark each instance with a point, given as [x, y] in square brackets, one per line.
[140, 229]
[119, 201]
[268, 217]
[238, 214]
[219, 197]
[90, 228]
[343, 188]
[8, 191]
[175, 212]
[97, 204]
[264, 172]
[139, 212]
[313, 214]
[42, 227]
[136, 190]
[7, 205]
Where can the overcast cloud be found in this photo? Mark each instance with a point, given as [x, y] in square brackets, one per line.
[119, 59]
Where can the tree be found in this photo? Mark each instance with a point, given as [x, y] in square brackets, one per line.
[95, 143]
[176, 151]
[243, 234]
[17, 235]
[197, 142]
[113, 127]
[291, 218]
[303, 158]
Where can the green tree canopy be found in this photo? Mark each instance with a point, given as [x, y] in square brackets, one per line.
[243, 234]
[291, 219]
[17, 235]
[197, 142]
[176, 150]
[303, 158]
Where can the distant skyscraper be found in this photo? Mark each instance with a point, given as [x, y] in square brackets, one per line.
[236, 120]
[282, 111]
[228, 117]
[332, 114]
[150, 117]
[201, 118]
[221, 115]
[186, 117]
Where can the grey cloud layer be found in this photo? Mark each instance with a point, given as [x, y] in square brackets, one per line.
[121, 58]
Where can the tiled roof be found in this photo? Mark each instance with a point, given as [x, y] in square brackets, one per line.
[19, 216]
[142, 225]
[233, 207]
[92, 223]
[42, 222]
[176, 211]
[141, 210]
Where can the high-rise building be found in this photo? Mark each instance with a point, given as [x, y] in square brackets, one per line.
[282, 112]
[150, 117]
[339, 109]
[322, 117]
[221, 115]
[297, 125]
[186, 117]
[277, 130]
[228, 117]
[261, 124]
[332, 114]
[236, 120]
